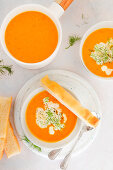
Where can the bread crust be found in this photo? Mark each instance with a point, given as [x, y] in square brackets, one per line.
[2, 143]
[5, 106]
[69, 101]
[12, 146]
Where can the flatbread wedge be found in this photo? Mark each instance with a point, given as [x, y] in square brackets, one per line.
[12, 146]
[5, 105]
[69, 101]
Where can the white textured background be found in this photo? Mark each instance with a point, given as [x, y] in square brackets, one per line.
[99, 156]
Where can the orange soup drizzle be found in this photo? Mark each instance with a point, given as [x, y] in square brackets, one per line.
[31, 37]
[101, 35]
[43, 133]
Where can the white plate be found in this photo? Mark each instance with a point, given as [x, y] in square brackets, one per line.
[81, 89]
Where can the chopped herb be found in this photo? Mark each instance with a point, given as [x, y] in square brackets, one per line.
[37, 147]
[26, 139]
[50, 114]
[72, 40]
[82, 16]
[46, 99]
[4, 68]
[84, 19]
[91, 50]
[31, 144]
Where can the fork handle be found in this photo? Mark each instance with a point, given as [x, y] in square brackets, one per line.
[66, 160]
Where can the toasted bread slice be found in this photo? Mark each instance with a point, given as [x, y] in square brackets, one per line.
[5, 105]
[69, 101]
[12, 146]
[2, 143]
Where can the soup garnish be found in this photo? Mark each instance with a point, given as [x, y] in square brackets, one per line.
[107, 70]
[103, 52]
[51, 115]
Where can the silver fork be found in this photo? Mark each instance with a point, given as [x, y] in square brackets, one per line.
[54, 153]
[64, 163]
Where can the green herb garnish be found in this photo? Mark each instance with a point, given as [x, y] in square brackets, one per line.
[103, 52]
[26, 139]
[84, 19]
[4, 68]
[46, 99]
[72, 40]
[31, 144]
[50, 114]
[82, 16]
[36, 147]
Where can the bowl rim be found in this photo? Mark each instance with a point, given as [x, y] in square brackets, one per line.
[30, 7]
[72, 136]
[86, 34]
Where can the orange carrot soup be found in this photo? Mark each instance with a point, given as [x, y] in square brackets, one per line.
[31, 37]
[97, 52]
[49, 120]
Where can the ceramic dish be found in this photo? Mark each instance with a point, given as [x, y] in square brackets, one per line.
[30, 7]
[75, 84]
[53, 12]
[41, 143]
[104, 24]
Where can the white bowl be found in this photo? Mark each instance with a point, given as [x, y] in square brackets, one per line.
[104, 24]
[33, 7]
[39, 142]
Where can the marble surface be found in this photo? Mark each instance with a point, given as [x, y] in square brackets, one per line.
[99, 155]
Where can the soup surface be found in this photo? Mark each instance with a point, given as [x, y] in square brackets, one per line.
[100, 37]
[48, 119]
[31, 37]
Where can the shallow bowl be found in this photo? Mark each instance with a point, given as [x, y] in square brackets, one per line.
[104, 24]
[39, 142]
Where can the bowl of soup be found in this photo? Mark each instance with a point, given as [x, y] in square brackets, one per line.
[96, 49]
[46, 122]
[31, 35]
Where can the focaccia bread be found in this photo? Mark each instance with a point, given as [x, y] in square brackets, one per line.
[12, 146]
[69, 101]
[5, 105]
